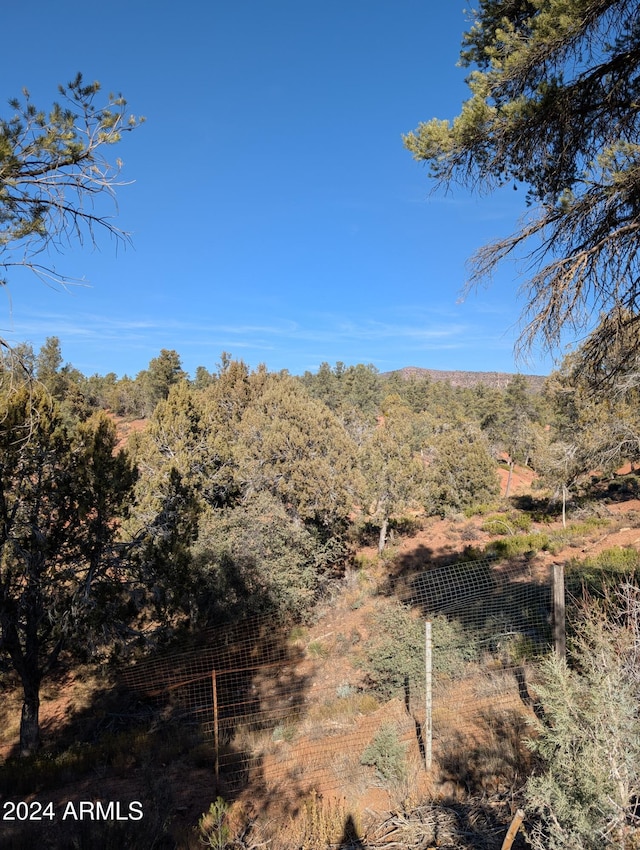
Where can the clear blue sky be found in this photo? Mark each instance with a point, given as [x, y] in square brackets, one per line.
[274, 211]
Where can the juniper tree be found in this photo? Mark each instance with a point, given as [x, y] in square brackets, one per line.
[252, 461]
[62, 489]
[460, 472]
[294, 447]
[253, 558]
[391, 469]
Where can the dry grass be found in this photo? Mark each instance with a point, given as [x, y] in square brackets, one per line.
[318, 823]
[10, 706]
[344, 709]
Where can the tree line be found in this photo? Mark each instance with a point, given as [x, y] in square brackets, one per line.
[246, 490]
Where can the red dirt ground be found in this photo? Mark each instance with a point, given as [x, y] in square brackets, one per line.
[439, 539]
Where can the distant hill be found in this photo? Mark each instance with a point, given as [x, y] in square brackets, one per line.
[468, 379]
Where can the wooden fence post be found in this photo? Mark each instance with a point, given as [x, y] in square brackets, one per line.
[516, 823]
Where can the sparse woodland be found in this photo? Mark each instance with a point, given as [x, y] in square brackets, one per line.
[139, 512]
[247, 493]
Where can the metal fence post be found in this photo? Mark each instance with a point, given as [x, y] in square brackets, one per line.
[216, 738]
[559, 631]
[428, 742]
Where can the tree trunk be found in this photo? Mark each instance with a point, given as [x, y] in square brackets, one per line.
[564, 506]
[508, 487]
[383, 535]
[30, 720]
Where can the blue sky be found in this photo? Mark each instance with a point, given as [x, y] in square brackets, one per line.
[274, 211]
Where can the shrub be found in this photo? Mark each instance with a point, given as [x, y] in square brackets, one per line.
[345, 690]
[396, 652]
[461, 473]
[254, 558]
[406, 525]
[469, 532]
[480, 509]
[317, 823]
[387, 754]
[616, 559]
[363, 562]
[297, 635]
[587, 525]
[507, 523]
[599, 574]
[589, 735]
[317, 649]
[212, 826]
[626, 485]
[519, 544]
[284, 732]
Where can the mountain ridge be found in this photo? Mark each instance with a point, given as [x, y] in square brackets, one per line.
[461, 378]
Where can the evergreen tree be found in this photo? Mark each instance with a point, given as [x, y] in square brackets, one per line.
[53, 167]
[48, 366]
[392, 473]
[513, 428]
[211, 461]
[554, 106]
[17, 366]
[65, 383]
[127, 397]
[203, 378]
[417, 392]
[323, 385]
[294, 448]
[163, 372]
[61, 491]
[254, 558]
[361, 389]
[460, 471]
[192, 434]
[172, 442]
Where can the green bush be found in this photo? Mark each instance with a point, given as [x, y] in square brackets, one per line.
[387, 754]
[586, 526]
[461, 472]
[507, 523]
[213, 830]
[470, 554]
[406, 526]
[508, 547]
[254, 558]
[617, 559]
[628, 485]
[602, 573]
[588, 736]
[396, 651]
[480, 509]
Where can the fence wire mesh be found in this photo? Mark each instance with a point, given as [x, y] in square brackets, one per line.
[280, 709]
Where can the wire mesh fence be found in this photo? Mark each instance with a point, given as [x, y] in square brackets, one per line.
[279, 709]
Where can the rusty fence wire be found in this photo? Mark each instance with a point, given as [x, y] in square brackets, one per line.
[279, 710]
